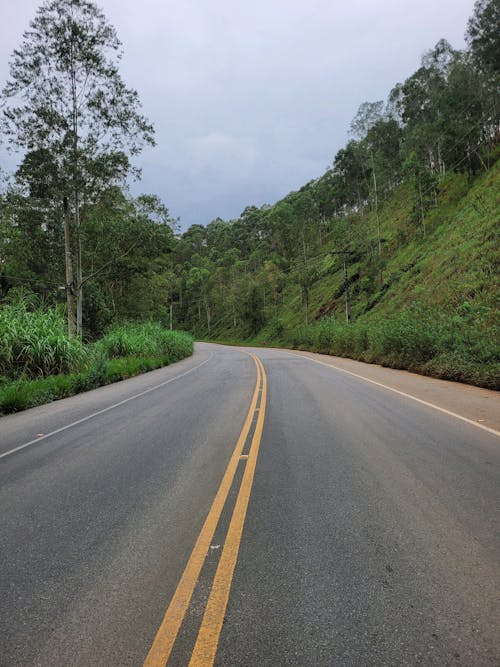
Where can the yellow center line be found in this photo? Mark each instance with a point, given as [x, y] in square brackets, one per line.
[208, 637]
[165, 637]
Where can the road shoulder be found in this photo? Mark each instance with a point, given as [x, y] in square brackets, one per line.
[481, 406]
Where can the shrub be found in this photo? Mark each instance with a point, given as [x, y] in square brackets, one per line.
[428, 340]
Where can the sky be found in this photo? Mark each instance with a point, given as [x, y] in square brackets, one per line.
[251, 100]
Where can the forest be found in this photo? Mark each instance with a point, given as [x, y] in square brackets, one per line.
[390, 256]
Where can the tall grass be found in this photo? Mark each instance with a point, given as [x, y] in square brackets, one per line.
[39, 362]
[145, 339]
[428, 341]
[35, 343]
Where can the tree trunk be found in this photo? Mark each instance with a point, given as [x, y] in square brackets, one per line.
[346, 290]
[207, 308]
[76, 195]
[422, 212]
[379, 240]
[79, 277]
[70, 297]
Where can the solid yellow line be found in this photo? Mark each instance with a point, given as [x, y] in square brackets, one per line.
[208, 637]
[169, 628]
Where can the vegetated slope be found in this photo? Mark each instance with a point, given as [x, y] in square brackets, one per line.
[430, 304]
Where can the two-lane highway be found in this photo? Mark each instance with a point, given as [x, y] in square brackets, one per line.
[255, 505]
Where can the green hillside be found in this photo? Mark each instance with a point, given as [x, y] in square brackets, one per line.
[433, 307]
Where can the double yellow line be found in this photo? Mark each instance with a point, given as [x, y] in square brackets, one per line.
[208, 636]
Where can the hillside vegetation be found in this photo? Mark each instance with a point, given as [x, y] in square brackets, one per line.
[433, 308]
[392, 255]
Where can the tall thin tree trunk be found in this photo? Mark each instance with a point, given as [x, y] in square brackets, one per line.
[346, 291]
[379, 240]
[70, 297]
[79, 272]
[76, 194]
[422, 212]
[207, 308]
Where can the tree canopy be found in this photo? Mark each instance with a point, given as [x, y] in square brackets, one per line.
[66, 106]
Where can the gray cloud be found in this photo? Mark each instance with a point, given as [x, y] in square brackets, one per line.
[251, 100]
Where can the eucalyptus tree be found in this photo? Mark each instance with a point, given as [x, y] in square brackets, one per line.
[66, 100]
[483, 34]
[368, 114]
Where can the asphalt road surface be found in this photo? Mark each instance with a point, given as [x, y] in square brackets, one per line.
[252, 508]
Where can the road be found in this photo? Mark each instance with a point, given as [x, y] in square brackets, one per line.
[253, 507]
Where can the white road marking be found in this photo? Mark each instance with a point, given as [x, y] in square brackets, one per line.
[100, 412]
[401, 393]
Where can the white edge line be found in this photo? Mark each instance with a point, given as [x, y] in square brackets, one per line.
[100, 412]
[396, 391]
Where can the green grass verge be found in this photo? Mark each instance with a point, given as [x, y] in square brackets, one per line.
[422, 340]
[24, 393]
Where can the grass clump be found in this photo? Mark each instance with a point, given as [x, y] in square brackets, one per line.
[146, 339]
[35, 343]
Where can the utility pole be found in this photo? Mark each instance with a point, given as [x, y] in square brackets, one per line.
[345, 258]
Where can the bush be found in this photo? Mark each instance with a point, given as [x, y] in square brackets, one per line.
[407, 339]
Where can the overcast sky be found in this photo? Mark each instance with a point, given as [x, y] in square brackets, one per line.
[251, 100]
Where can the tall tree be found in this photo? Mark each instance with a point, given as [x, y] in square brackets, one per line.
[370, 113]
[483, 34]
[66, 101]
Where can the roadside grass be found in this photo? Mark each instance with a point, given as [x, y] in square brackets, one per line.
[147, 339]
[415, 339]
[26, 380]
[34, 343]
